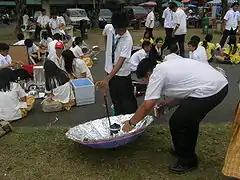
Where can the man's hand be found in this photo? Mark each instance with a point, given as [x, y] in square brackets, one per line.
[126, 127]
[103, 84]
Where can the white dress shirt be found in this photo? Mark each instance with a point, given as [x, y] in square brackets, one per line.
[58, 61]
[199, 54]
[45, 42]
[10, 104]
[123, 49]
[77, 51]
[168, 16]
[182, 78]
[150, 20]
[51, 48]
[136, 58]
[55, 23]
[232, 17]
[25, 19]
[34, 49]
[180, 18]
[43, 20]
[80, 67]
[5, 60]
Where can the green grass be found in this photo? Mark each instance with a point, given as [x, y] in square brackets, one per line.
[46, 154]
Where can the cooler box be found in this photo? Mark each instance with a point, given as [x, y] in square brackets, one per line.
[84, 91]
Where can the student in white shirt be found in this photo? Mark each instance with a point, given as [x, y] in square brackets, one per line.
[231, 21]
[32, 49]
[45, 40]
[119, 68]
[180, 28]
[196, 51]
[140, 55]
[76, 47]
[51, 46]
[75, 67]
[58, 86]
[56, 24]
[25, 19]
[57, 57]
[196, 87]
[42, 23]
[21, 40]
[5, 58]
[14, 103]
[149, 24]
[168, 16]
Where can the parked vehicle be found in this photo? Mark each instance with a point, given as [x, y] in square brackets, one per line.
[136, 14]
[77, 15]
[105, 17]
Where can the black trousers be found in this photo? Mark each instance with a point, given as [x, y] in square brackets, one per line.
[168, 38]
[225, 35]
[122, 95]
[180, 39]
[150, 32]
[184, 124]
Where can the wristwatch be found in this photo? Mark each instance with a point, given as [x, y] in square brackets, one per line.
[132, 125]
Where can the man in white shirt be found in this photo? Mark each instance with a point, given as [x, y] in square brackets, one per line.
[196, 87]
[231, 22]
[138, 56]
[42, 23]
[149, 24]
[196, 51]
[119, 69]
[168, 16]
[180, 29]
[57, 24]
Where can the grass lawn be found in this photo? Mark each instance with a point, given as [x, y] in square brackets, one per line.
[46, 154]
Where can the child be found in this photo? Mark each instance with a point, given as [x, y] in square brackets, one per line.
[209, 46]
[58, 86]
[156, 50]
[14, 103]
[75, 67]
[141, 54]
[5, 58]
[21, 40]
[51, 46]
[146, 37]
[46, 40]
[197, 52]
[76, 47]
[33, 50]
[231, 54]
[57, 57]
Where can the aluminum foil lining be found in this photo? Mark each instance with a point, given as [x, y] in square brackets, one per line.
[99, 129]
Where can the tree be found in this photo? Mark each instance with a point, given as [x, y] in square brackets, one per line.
[20, 7]
[224, 7]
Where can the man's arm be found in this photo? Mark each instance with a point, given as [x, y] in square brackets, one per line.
[116, 68]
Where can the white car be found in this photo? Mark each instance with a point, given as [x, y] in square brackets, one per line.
[76, 15]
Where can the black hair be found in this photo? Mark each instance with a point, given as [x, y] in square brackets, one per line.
[232, 41]
[158, 39]
[43, 10]
[4, 47]
[68, 57]
[146, 43]
[45, 35]
[20, 36]
[57, 36]
[173, 5]
[193, 43]
[77, 41]
[28, 43]
[6, 77]
[173, 48]
[234, 4]
[54, 76]
[208, 38]
[195, 38]
[145, 33]
[120, 20]
[145, 66]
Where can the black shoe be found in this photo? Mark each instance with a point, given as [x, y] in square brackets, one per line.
[179, 169]
[173, 152]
